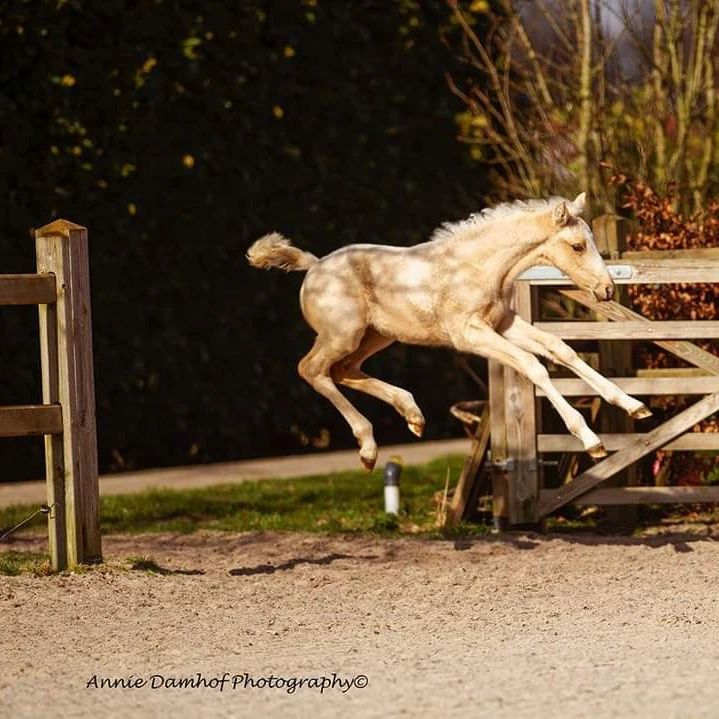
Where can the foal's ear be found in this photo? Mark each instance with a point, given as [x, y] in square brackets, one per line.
[561, 214]
[579, 204]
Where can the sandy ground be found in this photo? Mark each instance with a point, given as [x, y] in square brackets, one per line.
[523, 626]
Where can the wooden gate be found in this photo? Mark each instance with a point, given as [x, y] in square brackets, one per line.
[517, 440]
[66, 418]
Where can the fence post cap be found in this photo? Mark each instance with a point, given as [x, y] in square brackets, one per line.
[609, 217]
[58, 227]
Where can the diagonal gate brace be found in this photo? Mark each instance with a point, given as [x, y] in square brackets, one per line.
[650, 441]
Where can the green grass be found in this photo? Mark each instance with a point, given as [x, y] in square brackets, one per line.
[13, 563]
[341, 502]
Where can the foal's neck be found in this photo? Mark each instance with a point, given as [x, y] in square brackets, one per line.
[502, 250]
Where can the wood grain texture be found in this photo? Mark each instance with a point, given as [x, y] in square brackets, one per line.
[498, 440]
[30, 420]
[521, 428]
[465, 494]
[616, 360]
[672, 372]
[27, 289]
[68, 378]
[608, 467]
[688, 351]
[701, 253]
[690, 442]
[571, 387]
[643, 495]
[610, 235]
[54, 461]
[629, 330]
[655, 271]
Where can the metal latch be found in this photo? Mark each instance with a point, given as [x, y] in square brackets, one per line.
[620, 272]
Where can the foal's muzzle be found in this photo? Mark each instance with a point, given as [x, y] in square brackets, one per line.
[604, 291]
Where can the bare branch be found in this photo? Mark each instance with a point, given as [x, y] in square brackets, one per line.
[635, 82]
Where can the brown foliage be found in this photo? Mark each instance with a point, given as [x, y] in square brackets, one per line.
[659, 226]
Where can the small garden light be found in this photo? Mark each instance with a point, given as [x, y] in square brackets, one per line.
[392, 473]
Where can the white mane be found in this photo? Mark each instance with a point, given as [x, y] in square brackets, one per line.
[492, 214]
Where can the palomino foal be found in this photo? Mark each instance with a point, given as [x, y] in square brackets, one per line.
[452, 291]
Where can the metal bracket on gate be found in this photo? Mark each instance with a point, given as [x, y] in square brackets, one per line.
[504, 465]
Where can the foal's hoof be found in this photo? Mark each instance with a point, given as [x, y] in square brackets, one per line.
[368, 458]
[416, 425]
[597, 451]
[641, 412]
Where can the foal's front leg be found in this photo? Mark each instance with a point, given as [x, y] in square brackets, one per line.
[477, 337]
[528, 337]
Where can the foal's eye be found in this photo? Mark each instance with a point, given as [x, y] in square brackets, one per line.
[579, 247]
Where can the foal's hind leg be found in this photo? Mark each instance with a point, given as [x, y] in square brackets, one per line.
[348, 373]
[315, 367]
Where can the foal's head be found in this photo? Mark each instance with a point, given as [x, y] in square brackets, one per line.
[571, 248]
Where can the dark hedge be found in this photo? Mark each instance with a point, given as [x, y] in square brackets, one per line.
[179, 132]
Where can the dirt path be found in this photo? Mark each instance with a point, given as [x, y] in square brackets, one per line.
[523, 627]
[207, 475]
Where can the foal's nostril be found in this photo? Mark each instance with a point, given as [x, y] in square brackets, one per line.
[604, 291]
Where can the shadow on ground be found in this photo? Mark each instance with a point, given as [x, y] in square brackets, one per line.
[679, 541]
[150, 565]
[292, 563]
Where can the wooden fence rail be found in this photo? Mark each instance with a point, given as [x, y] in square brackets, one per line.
[31, 420]
[66, 419]
[27, 289]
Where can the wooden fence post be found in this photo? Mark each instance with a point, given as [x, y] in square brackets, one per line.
[68, 379]
[615, 360]
[498, 440]
[610, 234]
[54, 464]
[520, 413]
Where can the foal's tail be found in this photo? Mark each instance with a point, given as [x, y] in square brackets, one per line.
[274, 250]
